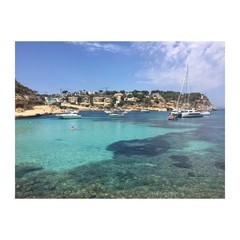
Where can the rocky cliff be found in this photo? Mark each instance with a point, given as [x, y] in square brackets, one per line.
[25, 98]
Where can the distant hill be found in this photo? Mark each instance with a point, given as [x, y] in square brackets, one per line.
[26, 98]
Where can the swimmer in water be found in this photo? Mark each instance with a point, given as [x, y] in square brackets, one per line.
[73, 128]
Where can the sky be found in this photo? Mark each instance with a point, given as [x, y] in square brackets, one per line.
[51, 67]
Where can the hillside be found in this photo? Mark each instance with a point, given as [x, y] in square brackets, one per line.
[26, 98]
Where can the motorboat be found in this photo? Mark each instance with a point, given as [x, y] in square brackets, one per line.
[172, 117]
[116, 114]
[69, 115]
[108, 112]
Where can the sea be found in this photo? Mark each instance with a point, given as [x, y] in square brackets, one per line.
[142, 155]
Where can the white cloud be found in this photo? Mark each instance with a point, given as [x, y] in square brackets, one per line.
[166, 64]
[102, 46]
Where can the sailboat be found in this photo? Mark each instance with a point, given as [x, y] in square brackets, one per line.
[185, 112]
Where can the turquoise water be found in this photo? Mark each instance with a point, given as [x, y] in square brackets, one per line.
[140, 156]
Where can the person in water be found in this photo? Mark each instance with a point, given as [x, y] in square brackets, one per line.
[73, 128]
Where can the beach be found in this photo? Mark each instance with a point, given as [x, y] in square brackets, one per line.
[44, 110]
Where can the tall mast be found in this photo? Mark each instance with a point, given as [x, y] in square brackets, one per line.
[183, 91]
[186, 98]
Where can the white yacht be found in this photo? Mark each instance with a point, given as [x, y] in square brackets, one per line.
[69, 115]
[117, 114]
[145, 110]
[108, 112]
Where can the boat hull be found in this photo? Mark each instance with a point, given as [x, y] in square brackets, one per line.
[206, 113]
[172, 117]
[115, 115]
[177, 114]
[69, 116]
[191, 115]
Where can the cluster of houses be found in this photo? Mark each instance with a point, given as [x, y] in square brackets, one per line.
[102, 100]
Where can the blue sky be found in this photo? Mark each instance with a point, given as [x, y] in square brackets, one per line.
[51, 66]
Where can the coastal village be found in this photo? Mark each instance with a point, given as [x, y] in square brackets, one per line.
[29, 103]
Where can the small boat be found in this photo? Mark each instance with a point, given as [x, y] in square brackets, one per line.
[172, 117]
[69, 115]
[108, 112]
[145, 111]
[176, 112]
[116, 114]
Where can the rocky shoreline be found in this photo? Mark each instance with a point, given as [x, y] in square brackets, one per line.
[40, 110]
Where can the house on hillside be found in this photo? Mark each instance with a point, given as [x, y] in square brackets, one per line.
[73, 100]
[85, 100]
[98, 99]
[157, 96]
[50, 100]
[107, 100]
[131, 99]
[118, 96]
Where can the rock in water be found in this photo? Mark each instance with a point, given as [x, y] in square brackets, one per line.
[21, 170]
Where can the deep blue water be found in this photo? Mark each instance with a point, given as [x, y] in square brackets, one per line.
[140, 156]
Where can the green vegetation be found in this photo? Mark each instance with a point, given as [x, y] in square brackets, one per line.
[91, 100]
[194, 96]
[169, 95]
[111, 99]
[22, 90]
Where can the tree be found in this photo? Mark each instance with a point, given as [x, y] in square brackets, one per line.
[155, 91]
[135, 93]
[170, 95]
[91, 99]
[141, 97]
[146, 93]
[122, 102]
[79, 99]
[113, 102]
[147, 102]
[194, 96]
